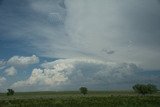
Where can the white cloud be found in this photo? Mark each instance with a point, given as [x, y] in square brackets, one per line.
[23, 60]
[10, 71]
[2, 80]
[75, 72]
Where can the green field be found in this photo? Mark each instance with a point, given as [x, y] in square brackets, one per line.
[75, 99]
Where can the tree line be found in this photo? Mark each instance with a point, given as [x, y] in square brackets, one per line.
[142, 89]
[145, 88]
[138, 88]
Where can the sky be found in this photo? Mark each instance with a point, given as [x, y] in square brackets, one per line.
[61, 45]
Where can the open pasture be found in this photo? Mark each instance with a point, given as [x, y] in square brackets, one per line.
[75, 99]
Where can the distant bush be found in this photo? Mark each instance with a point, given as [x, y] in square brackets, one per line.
[10, 92]
[145, 89]
[83, 90]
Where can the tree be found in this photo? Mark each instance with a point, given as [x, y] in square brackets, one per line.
[10, 92]
[152, 88]
[83, 90]
[145, 89]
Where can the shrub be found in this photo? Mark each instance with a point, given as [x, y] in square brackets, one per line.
[83, 90]
[145, 89]
[10, 92]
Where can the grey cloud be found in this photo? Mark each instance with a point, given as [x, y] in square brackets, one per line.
[93, 29]
[144, 21]
[33, 23]
[56, 18]
[83, 28]
[108, 51]
[62, 4]
[24, 18]
[158, 1]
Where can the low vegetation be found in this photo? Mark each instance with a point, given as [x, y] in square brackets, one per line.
[88, 99]
[145, 89]
[74, 99]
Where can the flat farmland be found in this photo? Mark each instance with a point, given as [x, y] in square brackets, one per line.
[75, 99]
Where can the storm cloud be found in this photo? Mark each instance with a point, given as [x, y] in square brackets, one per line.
[66, 29]
[88, 72]
[91, 42]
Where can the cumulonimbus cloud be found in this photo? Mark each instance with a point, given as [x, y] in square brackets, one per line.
[76, 72]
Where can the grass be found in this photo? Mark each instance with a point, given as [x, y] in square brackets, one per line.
[75, 99]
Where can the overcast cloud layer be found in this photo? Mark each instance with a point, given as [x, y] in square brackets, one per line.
[93, 41]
